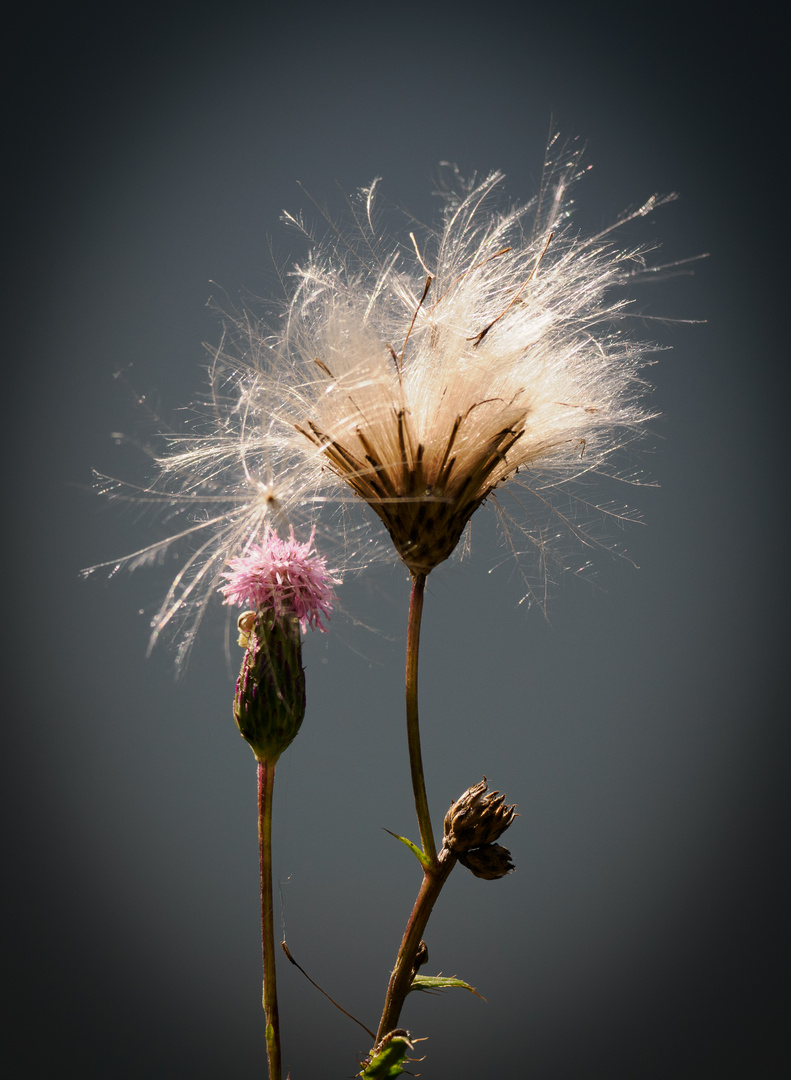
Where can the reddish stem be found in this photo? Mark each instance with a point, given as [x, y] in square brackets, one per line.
[266, 780]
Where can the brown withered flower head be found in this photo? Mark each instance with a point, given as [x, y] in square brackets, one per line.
[477, 818]
[490, 862]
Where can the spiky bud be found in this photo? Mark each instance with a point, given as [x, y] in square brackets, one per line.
[269, 703]
[421, 958]
[289, 588]
[479, 817]
[490, 862]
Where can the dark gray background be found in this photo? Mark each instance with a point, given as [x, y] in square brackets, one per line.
[641, 728]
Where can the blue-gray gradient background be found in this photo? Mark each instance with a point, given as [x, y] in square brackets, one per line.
[640, 728]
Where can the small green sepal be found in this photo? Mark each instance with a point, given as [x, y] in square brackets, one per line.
[421, 856]
[429, 983]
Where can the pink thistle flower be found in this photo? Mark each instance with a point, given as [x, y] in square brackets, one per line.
[283, 576]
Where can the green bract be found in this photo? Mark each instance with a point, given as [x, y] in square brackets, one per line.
[269, 704]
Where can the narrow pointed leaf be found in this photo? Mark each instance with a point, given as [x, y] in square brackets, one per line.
[428, 983]
[422, 858]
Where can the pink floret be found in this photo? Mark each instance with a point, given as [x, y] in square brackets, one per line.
[282, 576]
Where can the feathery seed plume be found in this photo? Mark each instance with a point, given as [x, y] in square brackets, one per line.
[427, 379]
[423, 377]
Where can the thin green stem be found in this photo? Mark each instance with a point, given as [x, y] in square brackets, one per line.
[436, 873]
[412, 721]
[404, 970]
[266, 782]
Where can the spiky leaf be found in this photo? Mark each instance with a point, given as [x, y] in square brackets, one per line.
[427, 983]
[386, 1060]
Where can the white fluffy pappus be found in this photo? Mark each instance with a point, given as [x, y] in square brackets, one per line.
[485, 362]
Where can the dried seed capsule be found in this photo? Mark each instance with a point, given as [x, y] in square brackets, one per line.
[479, 817]
[490, 862]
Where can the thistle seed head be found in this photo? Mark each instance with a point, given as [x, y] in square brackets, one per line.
[477, 818]
[434, 375]
[416, 377]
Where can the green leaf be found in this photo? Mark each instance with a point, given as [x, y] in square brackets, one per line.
[429, 983]
[388, 1061]
[422, 858]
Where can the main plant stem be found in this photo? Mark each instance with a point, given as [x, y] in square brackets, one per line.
[404, 970]
[266, 782]
[435, 873]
